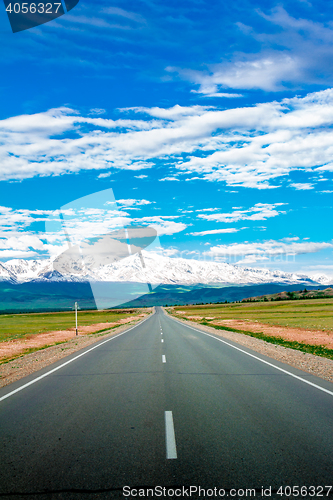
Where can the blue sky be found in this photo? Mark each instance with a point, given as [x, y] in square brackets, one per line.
[211, 121]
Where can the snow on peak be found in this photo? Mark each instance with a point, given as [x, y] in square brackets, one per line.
[151, 268]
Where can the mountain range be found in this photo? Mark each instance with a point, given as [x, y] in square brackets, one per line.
[155, 269]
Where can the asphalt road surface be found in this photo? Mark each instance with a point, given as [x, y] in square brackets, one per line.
[165, 405]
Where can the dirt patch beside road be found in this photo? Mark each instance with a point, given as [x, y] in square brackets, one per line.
[26, 364]
[16, 347]
[312, 337]
[315, 365]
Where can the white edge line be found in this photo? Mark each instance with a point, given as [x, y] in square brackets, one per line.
[170, 439]
[259, 359]
[70, 361]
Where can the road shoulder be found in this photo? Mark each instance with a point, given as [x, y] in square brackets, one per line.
[315, 365]
[29, 363]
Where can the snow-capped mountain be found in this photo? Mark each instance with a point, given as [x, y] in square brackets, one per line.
[6, 274]
[27, 270]
[157, 269]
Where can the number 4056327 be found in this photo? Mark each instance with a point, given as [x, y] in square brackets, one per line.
[32, 8]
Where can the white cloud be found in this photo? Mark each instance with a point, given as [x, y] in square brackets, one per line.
[28, 147]
[162, 225]
[167, 252]
[260, 211]
[217, 94]
[103, 176]
[133, 202]
[17, 240]
[305, 186]
[206, 210]
[17, 254]
[97, 111]
[175, 113]
[295, 238]
[266, 73]
[217, 231]
[18, 220]
[293, 53]
[262, 251]
[22, 242]
[84, 225]
[249, 147]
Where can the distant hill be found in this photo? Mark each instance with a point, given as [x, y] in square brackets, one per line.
[200, 294]
[60, 296]
[293, 295]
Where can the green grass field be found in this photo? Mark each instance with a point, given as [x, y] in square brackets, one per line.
[314, 314]
[13, 326]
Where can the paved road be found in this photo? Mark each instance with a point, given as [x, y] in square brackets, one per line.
[165, 405]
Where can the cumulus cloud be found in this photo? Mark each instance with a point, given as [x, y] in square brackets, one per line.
[29, 147]
[216, 94]
[260, 211]
[18, 239]
[265, 72]
[162, 225]
[252, 252]
[217, 231]
[251, 146]
[133, 203]
[206, 210]
[17, 254]
[302, 186]
[22, 242]
[97, 111]
[18, 220]
[295, 53]
[166, 252]
[174, 113]
[105, 175]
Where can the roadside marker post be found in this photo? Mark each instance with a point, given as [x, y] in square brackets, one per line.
[75, 318]
[76, 307]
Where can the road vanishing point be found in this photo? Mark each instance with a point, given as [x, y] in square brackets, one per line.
[164, 404]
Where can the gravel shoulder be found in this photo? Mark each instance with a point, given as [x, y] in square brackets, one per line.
[32, 362]
[316, 365]
[13, 348]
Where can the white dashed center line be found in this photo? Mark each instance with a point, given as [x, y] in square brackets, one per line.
[170, 439]
[163, 358]
[162, 340]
